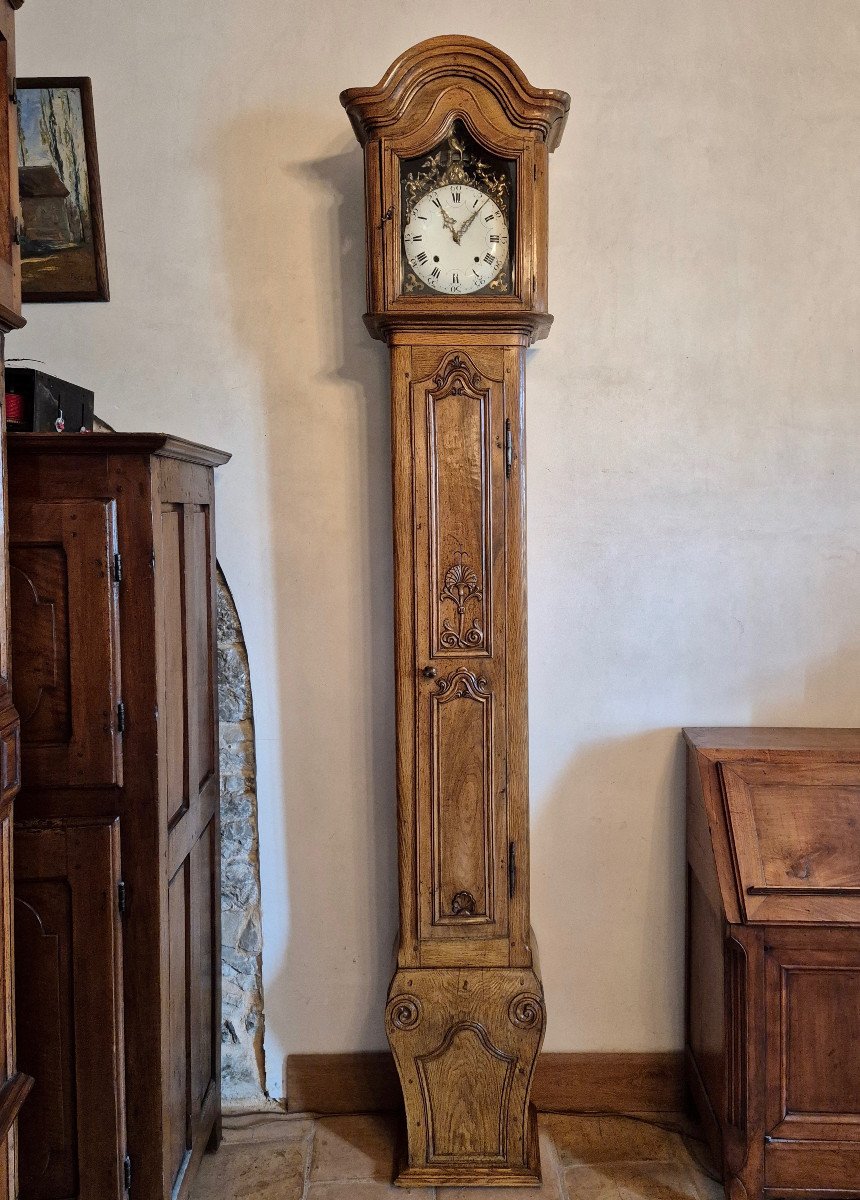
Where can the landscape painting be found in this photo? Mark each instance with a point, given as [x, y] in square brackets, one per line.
[62, 241]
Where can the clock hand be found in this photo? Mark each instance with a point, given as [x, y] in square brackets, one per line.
[449, 223]
[468, 222]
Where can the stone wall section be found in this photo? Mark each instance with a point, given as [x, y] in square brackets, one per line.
[242, 1069]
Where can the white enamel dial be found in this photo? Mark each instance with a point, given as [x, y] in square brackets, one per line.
[456, 240]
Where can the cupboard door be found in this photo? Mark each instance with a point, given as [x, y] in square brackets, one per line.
[189, 785]
[458, 428]
[65, 641]
[68, 976]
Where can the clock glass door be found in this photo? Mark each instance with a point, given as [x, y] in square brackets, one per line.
[457, 207]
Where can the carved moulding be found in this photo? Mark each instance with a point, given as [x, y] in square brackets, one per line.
[445, 60]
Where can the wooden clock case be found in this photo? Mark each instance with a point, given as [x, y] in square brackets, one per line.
[465, 1016]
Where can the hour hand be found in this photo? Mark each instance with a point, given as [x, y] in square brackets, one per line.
[449, 223]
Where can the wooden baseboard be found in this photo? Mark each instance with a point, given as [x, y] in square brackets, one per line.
[622, 1082]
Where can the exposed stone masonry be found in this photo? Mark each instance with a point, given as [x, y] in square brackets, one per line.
[242, 1069]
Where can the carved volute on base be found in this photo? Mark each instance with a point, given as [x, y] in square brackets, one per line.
[456, 146]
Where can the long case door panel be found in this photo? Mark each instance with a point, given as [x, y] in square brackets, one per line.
[458, 430]
[68, 955]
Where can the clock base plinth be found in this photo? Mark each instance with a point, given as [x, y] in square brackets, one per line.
[465, 1042]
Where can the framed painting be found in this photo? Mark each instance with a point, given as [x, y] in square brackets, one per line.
[62, 238]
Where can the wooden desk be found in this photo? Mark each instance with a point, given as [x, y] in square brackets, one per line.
[773, 956]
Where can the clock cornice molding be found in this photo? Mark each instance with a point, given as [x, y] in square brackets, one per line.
[374, 110]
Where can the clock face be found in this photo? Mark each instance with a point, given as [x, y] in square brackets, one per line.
[458, 215]
[456, 239]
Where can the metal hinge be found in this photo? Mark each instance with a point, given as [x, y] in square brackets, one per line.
[13, 90]
[509, 448]
[17, 230]
[512, 869]
[117, 568]
[122, 897]
[126, 1172]
[120, 717]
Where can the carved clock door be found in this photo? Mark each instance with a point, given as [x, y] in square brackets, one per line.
[458, 417]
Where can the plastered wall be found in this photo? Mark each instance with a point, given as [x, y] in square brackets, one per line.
[693, 435]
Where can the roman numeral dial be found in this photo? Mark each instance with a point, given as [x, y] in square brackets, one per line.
[456, 239]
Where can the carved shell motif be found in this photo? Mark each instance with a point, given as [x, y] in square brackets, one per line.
[461, 587]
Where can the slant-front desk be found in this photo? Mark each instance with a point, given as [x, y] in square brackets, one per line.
[773, 956]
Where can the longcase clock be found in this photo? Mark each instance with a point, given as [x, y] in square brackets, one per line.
[456, 145]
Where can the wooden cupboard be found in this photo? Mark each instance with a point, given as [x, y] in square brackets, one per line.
[112, 555]
[773, 962]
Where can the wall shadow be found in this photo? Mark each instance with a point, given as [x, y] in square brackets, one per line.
[327, 434]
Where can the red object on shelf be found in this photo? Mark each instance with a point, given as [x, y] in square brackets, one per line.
[14, 407]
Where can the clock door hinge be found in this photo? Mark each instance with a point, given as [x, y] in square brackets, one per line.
[17, 230]
[120, 717]
[13, 90]
[126, 1172]
[117, 568]
[512, 869]
[122, 897]
[509, 448]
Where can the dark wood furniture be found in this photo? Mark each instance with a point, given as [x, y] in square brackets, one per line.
[112, 556]
[14, 1085]
[456, 143]
[773, 964]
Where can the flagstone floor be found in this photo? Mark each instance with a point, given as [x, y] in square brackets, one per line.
[352, 1158]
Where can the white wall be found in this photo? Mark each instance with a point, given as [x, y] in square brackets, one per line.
[693, 451]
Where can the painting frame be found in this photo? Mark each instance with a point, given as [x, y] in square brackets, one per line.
[100, 290]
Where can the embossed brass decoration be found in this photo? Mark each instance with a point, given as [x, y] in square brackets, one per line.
[456, 164]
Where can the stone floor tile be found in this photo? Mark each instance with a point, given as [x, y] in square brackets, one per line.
[629, 1181]
[587, 1139]
[707, 1184]
[550, 1189]
[254, 1128]
[354, 1147]
[265, 1171]
[366, 1189]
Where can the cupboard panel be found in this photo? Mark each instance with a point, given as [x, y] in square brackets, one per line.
[65, 641]
[69, 1009]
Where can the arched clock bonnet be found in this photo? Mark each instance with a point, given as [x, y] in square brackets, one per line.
[444, 86]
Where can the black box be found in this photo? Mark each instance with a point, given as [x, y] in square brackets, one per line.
[50, 404]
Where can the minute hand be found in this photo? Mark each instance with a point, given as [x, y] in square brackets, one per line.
[469, 221]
